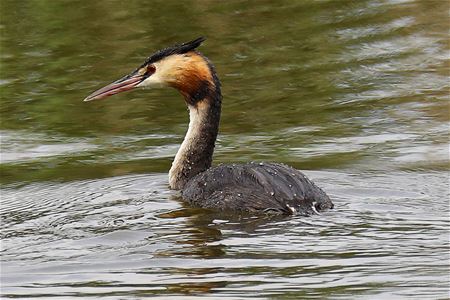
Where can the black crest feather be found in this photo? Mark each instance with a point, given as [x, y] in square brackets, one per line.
[175, 49]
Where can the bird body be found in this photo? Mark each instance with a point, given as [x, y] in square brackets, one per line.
[256, 187]
[250, 187]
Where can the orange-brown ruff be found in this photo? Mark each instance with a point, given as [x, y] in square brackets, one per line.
[251, 187]
[191, 72]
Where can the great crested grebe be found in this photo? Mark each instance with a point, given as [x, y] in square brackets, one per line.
[249, 187]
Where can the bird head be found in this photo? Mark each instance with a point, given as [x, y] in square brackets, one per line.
[179, 66]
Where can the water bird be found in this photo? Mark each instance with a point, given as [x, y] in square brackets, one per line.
[254, 187]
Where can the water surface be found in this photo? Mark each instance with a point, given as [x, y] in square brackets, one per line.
[355, 93]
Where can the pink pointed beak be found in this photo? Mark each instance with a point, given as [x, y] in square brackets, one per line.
[126, 83]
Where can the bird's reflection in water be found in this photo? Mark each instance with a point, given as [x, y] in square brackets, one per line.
[197, 235]
[203, 229]
[201, 238]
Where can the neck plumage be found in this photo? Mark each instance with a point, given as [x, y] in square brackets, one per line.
[196, 151]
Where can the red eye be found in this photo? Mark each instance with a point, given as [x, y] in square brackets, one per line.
[151, 69]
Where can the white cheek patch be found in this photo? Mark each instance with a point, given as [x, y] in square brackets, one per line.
[166, 71]
[152, 81]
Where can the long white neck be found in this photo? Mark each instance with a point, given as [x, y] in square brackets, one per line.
[196, 151]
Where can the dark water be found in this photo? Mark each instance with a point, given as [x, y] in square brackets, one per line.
[356, 93]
